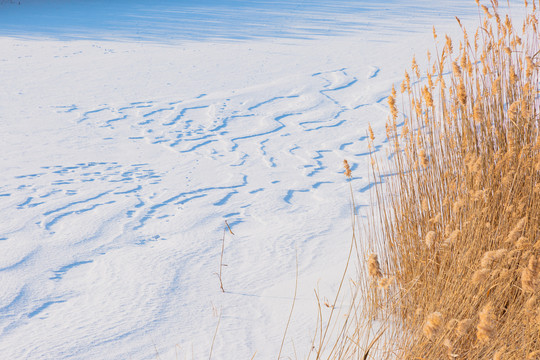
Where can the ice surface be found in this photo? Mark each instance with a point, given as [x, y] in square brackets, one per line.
[169, 20]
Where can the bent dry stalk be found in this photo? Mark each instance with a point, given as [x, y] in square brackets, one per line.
[221, 265]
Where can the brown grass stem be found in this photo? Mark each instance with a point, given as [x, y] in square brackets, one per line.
[292, 308]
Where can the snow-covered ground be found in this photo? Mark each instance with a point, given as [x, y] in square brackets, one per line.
[130, 132]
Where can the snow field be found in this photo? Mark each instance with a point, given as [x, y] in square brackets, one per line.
[122, 160]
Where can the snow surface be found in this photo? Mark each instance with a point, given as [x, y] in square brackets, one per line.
[129, 132]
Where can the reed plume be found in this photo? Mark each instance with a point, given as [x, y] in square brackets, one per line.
[460, 221]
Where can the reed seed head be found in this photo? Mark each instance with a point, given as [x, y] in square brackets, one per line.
[513, 111]
[452, 325]
[531, 304]
[423, 158]
[371, 135]
[449, 47]
[499, 354]
[481, 276]
[529, 276]
[492, 256]
[522, 243]
[433, 324]
[462, 93]
[486, 325]
[385, 282]
[478, 115]
[430, 239]
[516, 231]
[454, 237]
[463, 327]
[374, 267]
[348, 172]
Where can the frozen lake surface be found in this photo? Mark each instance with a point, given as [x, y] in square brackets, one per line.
[170, 21]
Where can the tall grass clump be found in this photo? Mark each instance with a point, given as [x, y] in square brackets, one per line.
[460, 219]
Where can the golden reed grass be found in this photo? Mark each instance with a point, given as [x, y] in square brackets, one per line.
[459, 238]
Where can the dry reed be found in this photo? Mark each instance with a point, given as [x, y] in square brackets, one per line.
[460, 240]
[462, 235]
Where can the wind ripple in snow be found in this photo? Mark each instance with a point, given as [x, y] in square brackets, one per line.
[269, 146]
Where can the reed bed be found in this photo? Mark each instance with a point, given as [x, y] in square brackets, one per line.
[455, 262]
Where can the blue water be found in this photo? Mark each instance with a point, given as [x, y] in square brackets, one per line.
[170, 21]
